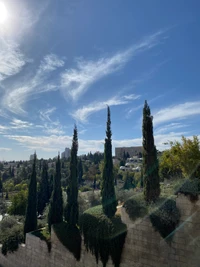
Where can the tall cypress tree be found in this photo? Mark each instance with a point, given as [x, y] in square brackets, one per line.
[80, 172]
[71, 209]
[56, 203]
[109, 202]
[31, 212]
[150, 161]
[43, 194]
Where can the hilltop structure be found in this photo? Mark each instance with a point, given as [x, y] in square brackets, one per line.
[132, 151]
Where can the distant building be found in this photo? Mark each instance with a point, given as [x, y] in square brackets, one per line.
[66, 153]
[132, 151]
[32, 157]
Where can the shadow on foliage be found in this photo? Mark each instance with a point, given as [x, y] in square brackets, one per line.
[190, 188]
[165, 219]
[103, 237]
[70, 237]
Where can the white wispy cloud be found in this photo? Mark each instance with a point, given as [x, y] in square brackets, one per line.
[51, 62]
[45, 114]
[15, 98]
[176, 112]
[76, 81]
[170, 127]
[83, 113]
[19, 124]
[55, 143]
[5, 149]
[49, 126]
[12, 59]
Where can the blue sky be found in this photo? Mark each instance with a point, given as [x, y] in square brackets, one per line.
[62, 62]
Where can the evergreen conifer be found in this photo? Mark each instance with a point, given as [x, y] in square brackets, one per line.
[150, 161]
[71, 209]
[109, 202]
[56, 203]
[31, 212]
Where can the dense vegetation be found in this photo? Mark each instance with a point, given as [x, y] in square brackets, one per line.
[56, 203]
[103, 236]
[31, 212]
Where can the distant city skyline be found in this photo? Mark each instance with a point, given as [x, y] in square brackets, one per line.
[63, 62]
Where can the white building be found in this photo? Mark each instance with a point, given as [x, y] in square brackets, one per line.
[32, 156]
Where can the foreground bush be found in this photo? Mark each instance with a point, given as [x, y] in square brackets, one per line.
[190, 188]
[165, 218]
[12, 239]
[103, 236]
[135, 208]
[70, 237]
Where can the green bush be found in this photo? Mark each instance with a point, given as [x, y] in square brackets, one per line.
[135, 208]
[18, 203]
[103, 236]
[12, 239]
[190, 188]
[70, 237]
[165, 218]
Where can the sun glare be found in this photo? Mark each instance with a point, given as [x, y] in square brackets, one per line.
[3, 13]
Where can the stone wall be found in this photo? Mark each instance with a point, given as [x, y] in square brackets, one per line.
[143, 247]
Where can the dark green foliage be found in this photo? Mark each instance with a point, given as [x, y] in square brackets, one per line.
[12, 239]
[150, 161]
[141, 179]
[50, 184]
[80, 172]
[44, 235]
[1, 185]
[190, 188]
[43, 194]
[135, 208]
[19, 203]
[103, 236]
[31, 212]
[71, 209]
[128, 181]
[109, 202]
[70, 237]
[55, 214]
[165, 219]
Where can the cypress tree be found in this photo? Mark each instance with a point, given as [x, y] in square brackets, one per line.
[150, 161]
[43, 194]
[1, 186]
[80, 172]
[31, 212]
[109, 202]
[71, 209]
[56, 203]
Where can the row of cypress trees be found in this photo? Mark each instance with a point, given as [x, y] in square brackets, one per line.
[56, 211]
[109, 202]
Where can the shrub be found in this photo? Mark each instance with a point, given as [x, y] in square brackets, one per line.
[190, 188]
[70, 237]
[103, 236]
[165, 218]
[135, 208]
[12, 239]
[19, 203]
